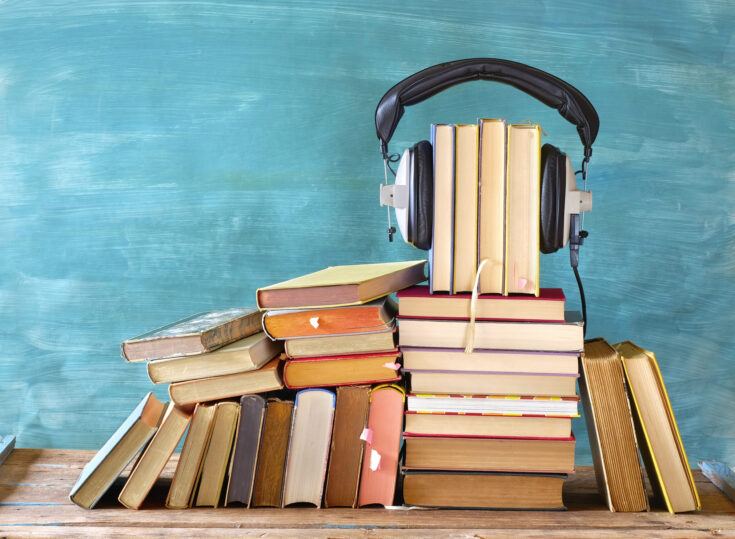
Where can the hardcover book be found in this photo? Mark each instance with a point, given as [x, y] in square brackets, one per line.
[499, 383]
[494, 404]
[465, 208]
[342, 370]
[467, 424]
[195, 334]
[346, 452]
[339, 286]
[442, 240]
[128, 440]
[272, 454]
[245, 450]
[457, 360]
[340, 345]
[308, 451]
[217, 458]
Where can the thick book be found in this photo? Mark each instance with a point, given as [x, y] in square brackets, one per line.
[610, 429]
[244, 355]
[267, 378]
[478, 424]
[491, 205]
[417, 302]
[128, 440]
[457, 360]
[442, 240]
[465, 208]
[245, 450]
[340, 345]
[492, 383]
[272, 455]
[195, 334]
[154, 458]
[339, 286]
[180, 494]
[661, 445]
[375, 316]
[342, 370]
[483, 490]
[383, 440]
[534, 336]
[217, 458]
[308, 449]
[346, 452]
[478, 454]
[523, 208]
[494, 404]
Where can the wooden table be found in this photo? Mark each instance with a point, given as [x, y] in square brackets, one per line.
[35, 484]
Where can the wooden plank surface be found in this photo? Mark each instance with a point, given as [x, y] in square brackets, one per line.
[35, 483]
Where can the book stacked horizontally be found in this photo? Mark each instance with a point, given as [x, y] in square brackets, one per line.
[249, 440]
[490, 427]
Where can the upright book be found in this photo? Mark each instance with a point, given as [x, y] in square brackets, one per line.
[661, 445]
[380, 459]
[346, 452]
[308, 450]
[217, 457]
[610, 427]
[339, 286]
[442, 240]
[154, 458]
[272, 454]
[128, 440]
[245, 450]
[523, 209]
[491, 218]
[465, 208]
[196, 334]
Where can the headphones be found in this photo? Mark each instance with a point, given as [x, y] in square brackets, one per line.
[412, 194]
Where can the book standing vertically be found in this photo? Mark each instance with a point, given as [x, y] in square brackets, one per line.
[154, 458]
[465, 208]
[308, 449]
[109, 462]
[345, 456]
[610, 427]
[339, 286]
[245, 450]
[491, 206]
[195, 334]
[272, 455]
[442, 240]
[180, 494]
[660, 441]
[380, 459]
[523, 209]
[217, 458]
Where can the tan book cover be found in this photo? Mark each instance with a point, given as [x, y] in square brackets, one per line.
[217, 459]
[442, 245]
[465, 208]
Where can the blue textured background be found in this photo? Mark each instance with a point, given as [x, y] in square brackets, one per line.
[163, 158]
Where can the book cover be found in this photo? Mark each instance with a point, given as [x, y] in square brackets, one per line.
[217, 458]
[342, 370]
[465, 208]
[442, 240]
[195, 334]
[340, 345]
[341, 286]
[272, 455]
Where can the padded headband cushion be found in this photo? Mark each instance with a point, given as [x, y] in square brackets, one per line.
[553, 196]
[550, 90]
[423, 188]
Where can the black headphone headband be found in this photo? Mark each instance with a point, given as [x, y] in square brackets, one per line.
[550, 90]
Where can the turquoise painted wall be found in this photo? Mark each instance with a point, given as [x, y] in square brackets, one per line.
[163, 158]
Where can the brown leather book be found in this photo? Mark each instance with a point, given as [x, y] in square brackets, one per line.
[245, 456]
[272, 458]
[345, 456]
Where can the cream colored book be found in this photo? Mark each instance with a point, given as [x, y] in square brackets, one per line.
[339, 286]
[491, 218]
[190, 461]
[523, 209]
[442, 246]
[244, 355]
[217, 459]
[154, 458]
[465, 208]
[338, 345]
[489, 361]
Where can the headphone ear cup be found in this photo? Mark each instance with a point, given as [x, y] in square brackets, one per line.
[423, 195]
[553, 193]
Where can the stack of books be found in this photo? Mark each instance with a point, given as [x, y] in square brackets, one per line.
[251, 441]
[490, 428]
